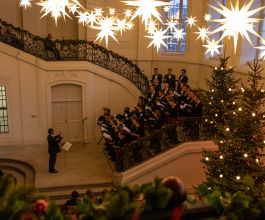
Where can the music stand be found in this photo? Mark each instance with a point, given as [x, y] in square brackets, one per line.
[66, 147]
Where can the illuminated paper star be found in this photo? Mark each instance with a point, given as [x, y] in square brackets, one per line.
[166, 9]
[151, 26]
[57, 8]
[146, 9]
[207, 17]
[112, 11]
[128, 13]
[25, 3]
[91, 19]
[203, 33]
[262, 48]
[83, 17]
[158, 39]
[171, 25]
[212, 47]
[191, 21]
[179, 34]
[129, 25]
[121, 25]
[98, 12]
[237, 21]
[107, 29]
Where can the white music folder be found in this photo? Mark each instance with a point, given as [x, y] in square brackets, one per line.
[67, 145]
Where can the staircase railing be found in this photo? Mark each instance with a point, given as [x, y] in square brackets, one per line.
[157, 142]
[74, 50]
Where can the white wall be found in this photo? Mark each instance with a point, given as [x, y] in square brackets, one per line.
[29, 82]
[183, 161]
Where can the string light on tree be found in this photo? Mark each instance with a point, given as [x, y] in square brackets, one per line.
[245, 155]
[238, 177]
[221, 175]
[221, 157]
[253, 114]
[207, 158]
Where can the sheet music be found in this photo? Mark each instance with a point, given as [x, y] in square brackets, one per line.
[67, 145]
[105, 135]
[126, 129]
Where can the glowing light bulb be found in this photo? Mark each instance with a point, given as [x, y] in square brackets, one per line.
[221, 142]
[257, 160]
[240, 109]
[222, 101]
[230, 89]
[227, 129]
[221, 175]
[206, 158]
[234, 113]
[221, 157]
[216, 115]
[238, 177]
[246, 155]
[253, 114]
[234, 103]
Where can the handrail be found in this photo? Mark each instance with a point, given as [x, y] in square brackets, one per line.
[159, 141]
[74, 50]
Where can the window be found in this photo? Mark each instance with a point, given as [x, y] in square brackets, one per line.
[178, 11]
[3, 111]
[261, 27]
[214, 25]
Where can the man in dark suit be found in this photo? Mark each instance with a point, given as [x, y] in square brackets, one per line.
[170, 79]
[157, 76]
[54, 148]
[183, 79]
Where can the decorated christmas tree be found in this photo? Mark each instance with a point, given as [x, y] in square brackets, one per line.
[238, 132]
[220, 99]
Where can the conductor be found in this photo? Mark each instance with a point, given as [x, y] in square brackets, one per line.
[54, 148]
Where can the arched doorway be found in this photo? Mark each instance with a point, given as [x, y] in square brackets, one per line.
[67, 111]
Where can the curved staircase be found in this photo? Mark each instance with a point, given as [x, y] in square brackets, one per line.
[74, 50]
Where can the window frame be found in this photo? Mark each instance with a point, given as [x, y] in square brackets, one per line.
[261, 31]
[165, 50]
[7, 108]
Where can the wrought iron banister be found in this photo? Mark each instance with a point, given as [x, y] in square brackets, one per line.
[158, 141]
[74, 50]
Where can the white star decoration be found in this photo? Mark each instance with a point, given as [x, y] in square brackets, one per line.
[158, 39]
[203, 33]
[107, 29]
[179, 34]
[25, 3]
[212, 47]
[262, 48]
[191, 21]
[146, 9]
[207, 17]
[237, 21]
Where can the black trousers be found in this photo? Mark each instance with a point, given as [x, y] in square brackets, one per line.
[52, 161]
